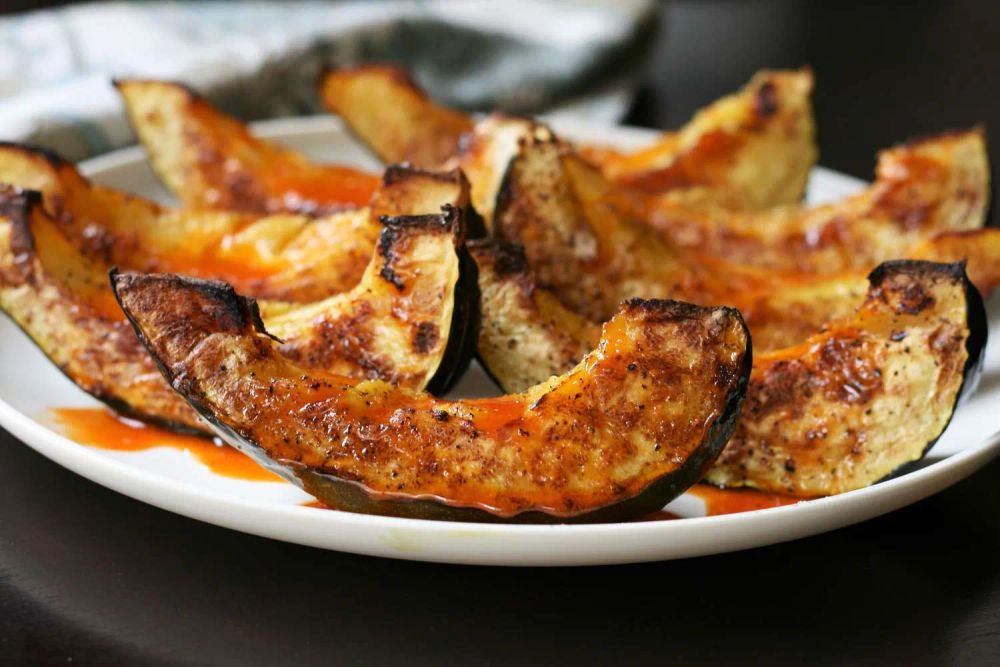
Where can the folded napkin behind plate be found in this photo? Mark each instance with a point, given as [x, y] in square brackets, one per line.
[260, 60]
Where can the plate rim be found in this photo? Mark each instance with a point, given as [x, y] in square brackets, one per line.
[272, 520]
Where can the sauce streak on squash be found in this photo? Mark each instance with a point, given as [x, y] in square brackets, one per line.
[251, 168]
[326, 186]
[101, 428]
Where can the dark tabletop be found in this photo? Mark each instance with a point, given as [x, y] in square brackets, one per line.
[90, 576]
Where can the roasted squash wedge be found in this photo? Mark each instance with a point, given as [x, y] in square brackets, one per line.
[855, 401]
[60, 298]
[211, 160]
[869, 394]
[577, 234]
[413, 318]
[584, 243]
[751, 150]
[486, 152]
[383, 106]
[629, 428]
[938, 184]
[291, 257]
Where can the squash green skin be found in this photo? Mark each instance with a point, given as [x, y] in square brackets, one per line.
[214, 354]
[352, 497]
[464, 334]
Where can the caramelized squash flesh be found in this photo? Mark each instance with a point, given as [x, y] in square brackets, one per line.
[855, 401]
[285, 256]
[383, 106]
[412, 319]
[750, 150]
[924, 187]
[211, 160]
[627, 429]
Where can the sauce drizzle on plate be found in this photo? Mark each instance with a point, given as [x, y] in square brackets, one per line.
[101, 428]
[732, 501]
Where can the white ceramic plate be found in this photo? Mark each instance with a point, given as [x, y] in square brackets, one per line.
[168, 478]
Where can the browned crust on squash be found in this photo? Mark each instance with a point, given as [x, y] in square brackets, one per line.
[658, 358]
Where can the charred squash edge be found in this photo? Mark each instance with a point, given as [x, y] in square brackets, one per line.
[238, 311]
[463, 333]
[977, 323]
[975, 343]
[454, 359]
[17, 209]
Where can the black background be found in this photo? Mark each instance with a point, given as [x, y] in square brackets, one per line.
[89, 576]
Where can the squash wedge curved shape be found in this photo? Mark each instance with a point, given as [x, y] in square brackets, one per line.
[391, 115]
[927, 186]
[291, 257]
[867, 394]
[211, 160]
[629, 428]
[584, 243]
[750, 150]
[855, 402]
[413, 318]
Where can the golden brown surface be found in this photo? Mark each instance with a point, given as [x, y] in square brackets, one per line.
[279, 256]
[750, 150]
[396, 324]
[63, 301]
[839, 411]
[584, 242]
[937, 184]
[871, 393]
[210, 160]
[650, 403]
[383, 106]
[485, 153]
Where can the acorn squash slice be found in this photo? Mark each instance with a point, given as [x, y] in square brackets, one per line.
[584, 243]
[413, 318]
[211, 160]
[858, 399]
[933, 185]
[867, 394]
[619, 435]
[391, 115]
[750, 150]
[291, 257]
